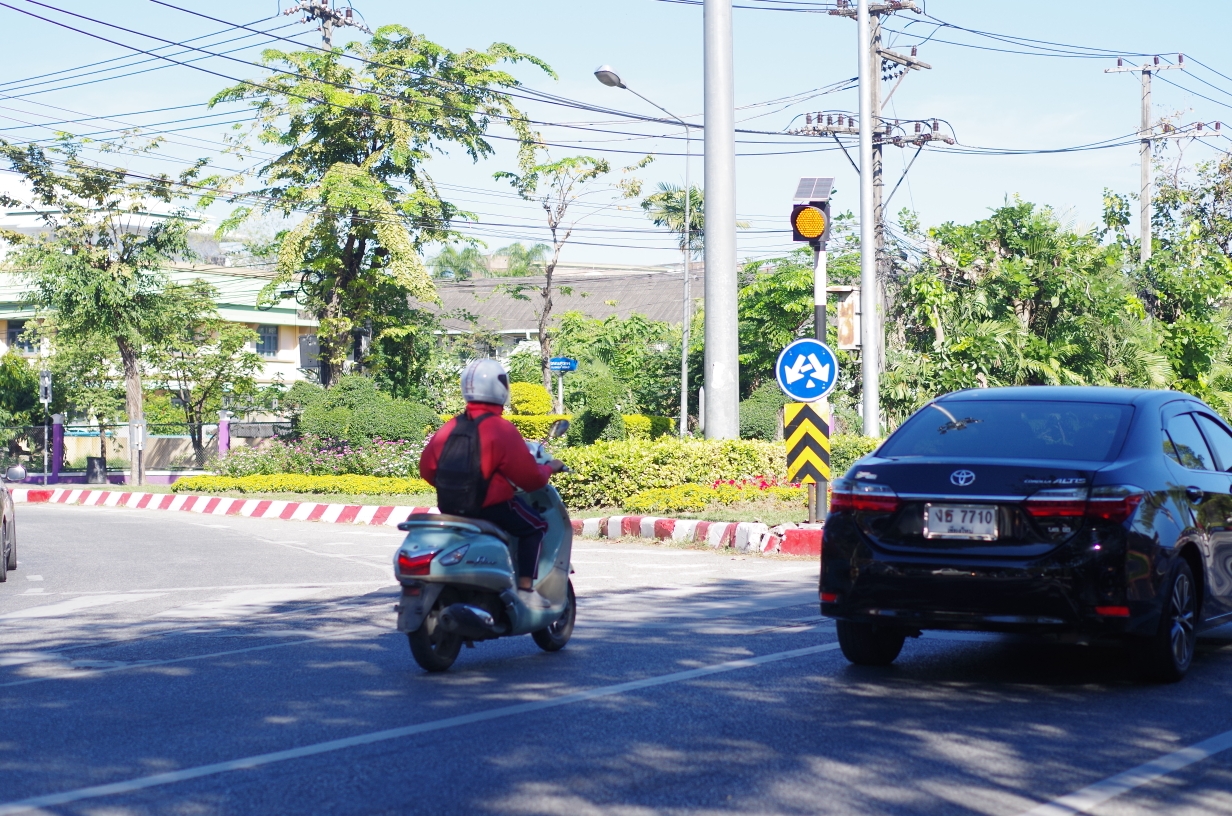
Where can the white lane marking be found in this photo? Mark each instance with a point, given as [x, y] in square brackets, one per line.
[367, 629]
[237, 587]
[1095, 795]
[260, 760]
[242, 603]
[35, 591]
[77, 604]
[34, 577]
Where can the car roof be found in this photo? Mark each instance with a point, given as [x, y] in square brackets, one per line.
[1068, 393]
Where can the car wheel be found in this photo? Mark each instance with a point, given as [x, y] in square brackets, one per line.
[12, 562]
[1167, 656]
[4, 551]
[866, 644]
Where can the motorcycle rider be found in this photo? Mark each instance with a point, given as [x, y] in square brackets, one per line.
[478, 473]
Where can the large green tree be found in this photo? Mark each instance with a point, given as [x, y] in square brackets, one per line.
[100, 268]
[354, 128]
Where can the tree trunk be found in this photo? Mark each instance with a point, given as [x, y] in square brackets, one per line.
[134, 404]
[545, 341]
[196, 433]
[102, 440]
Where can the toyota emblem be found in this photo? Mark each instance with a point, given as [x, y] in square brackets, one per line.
[962, 478]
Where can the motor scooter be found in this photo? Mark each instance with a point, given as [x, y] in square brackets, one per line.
[459, 583]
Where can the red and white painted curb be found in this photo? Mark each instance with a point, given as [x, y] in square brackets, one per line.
[744, 536]
[215, 506]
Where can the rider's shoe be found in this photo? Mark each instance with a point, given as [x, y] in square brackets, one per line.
[533, 600]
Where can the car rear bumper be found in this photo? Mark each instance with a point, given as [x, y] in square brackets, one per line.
[1059, 593]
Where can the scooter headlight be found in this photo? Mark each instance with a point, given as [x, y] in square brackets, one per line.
[451, 558]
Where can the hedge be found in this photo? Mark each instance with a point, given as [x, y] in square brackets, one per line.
[694, 498]
[529, 399]
[640, 426]
[299, 483]
[845, 449]
[534, 427]
[609, 473]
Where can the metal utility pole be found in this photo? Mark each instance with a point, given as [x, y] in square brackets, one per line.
[722, 367]
[329, 17]
[1145, 182]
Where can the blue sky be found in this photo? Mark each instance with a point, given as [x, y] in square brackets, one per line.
[991, 99]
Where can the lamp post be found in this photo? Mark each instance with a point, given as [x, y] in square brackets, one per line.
[608, 76]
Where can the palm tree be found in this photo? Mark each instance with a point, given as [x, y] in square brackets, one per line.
[523, 261]
[460, 265]
[665, 208]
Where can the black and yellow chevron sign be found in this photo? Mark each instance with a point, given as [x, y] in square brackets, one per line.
[806, 428]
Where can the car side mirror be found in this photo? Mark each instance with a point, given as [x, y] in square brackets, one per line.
[559, 428]
[16, 473]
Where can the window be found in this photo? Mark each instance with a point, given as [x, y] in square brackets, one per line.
[1218, 438]
[1186, 446]
[15, 340]
[1021, 429]
[267, 341]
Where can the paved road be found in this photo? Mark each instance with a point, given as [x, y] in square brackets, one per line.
[158, 663]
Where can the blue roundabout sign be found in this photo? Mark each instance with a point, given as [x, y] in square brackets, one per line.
[807, 370]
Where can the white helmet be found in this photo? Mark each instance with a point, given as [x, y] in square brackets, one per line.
[485, 381]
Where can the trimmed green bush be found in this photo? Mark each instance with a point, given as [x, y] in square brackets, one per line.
[759, 414]
[845, 449]
[355, 411]
[694, 498]
[640, 426]
[601, 419]
[300, 483]
[529, 399]
[535, 427]
[608, 473]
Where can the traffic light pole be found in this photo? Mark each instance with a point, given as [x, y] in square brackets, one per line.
[819, 492]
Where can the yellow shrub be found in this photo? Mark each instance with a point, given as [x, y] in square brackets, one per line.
[694, 498]
[300, 483]
[535, 427]
[529, 399]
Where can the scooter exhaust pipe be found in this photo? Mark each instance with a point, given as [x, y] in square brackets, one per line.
[470, 622]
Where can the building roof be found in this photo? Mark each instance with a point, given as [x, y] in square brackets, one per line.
[512, 305]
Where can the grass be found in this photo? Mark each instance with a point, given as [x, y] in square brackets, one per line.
[767, 512]
[395, 499]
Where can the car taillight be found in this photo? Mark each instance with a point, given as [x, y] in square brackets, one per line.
[1067, 503]
[1114, 503]
[417, 564]
[1110, 503]
[861, 497]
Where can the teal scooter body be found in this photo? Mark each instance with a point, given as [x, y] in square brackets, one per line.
[458, 581]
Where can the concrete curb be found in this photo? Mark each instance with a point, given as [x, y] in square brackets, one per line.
[745, 536]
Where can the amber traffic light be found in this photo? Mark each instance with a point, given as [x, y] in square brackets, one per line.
[810, 222]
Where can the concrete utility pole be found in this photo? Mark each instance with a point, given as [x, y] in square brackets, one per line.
[871, 328]
[1144, 147]
[722, 367]
[329, 17]
[874, 134]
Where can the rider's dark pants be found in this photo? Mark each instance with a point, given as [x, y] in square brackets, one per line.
[521, 521]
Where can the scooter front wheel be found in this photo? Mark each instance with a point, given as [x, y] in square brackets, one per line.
[433, 649]
[554, 637]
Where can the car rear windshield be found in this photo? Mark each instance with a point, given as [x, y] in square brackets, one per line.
[987, 429]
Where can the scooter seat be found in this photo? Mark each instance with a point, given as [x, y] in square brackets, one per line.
[443, 520]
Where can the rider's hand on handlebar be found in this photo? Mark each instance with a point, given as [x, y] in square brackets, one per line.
[557, 466]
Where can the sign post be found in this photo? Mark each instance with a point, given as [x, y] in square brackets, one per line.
[45, 398]
[561, 365]
[807, 371]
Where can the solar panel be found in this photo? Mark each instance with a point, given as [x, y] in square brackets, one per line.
[813, 189]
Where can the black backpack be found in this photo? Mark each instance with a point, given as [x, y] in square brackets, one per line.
[460, 486]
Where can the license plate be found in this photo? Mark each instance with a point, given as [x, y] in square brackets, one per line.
[969, 521]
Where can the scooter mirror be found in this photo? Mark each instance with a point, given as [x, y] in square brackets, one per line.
[16, 473]
[559, 428]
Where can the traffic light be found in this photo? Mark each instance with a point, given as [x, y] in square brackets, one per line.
[810, 211]
[45, 387]
[810, 222]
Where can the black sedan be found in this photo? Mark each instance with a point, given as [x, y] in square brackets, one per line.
[1091, 513]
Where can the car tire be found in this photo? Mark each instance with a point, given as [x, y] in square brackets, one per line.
[12, 562]
[1167, 655]
[4, 551]
[866, 644]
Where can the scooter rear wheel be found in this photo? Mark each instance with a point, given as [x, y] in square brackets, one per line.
[434, 649]
[554, 637]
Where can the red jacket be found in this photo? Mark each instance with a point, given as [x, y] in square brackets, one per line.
[503, 452]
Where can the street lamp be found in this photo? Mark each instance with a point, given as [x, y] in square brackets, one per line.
[608, 76]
